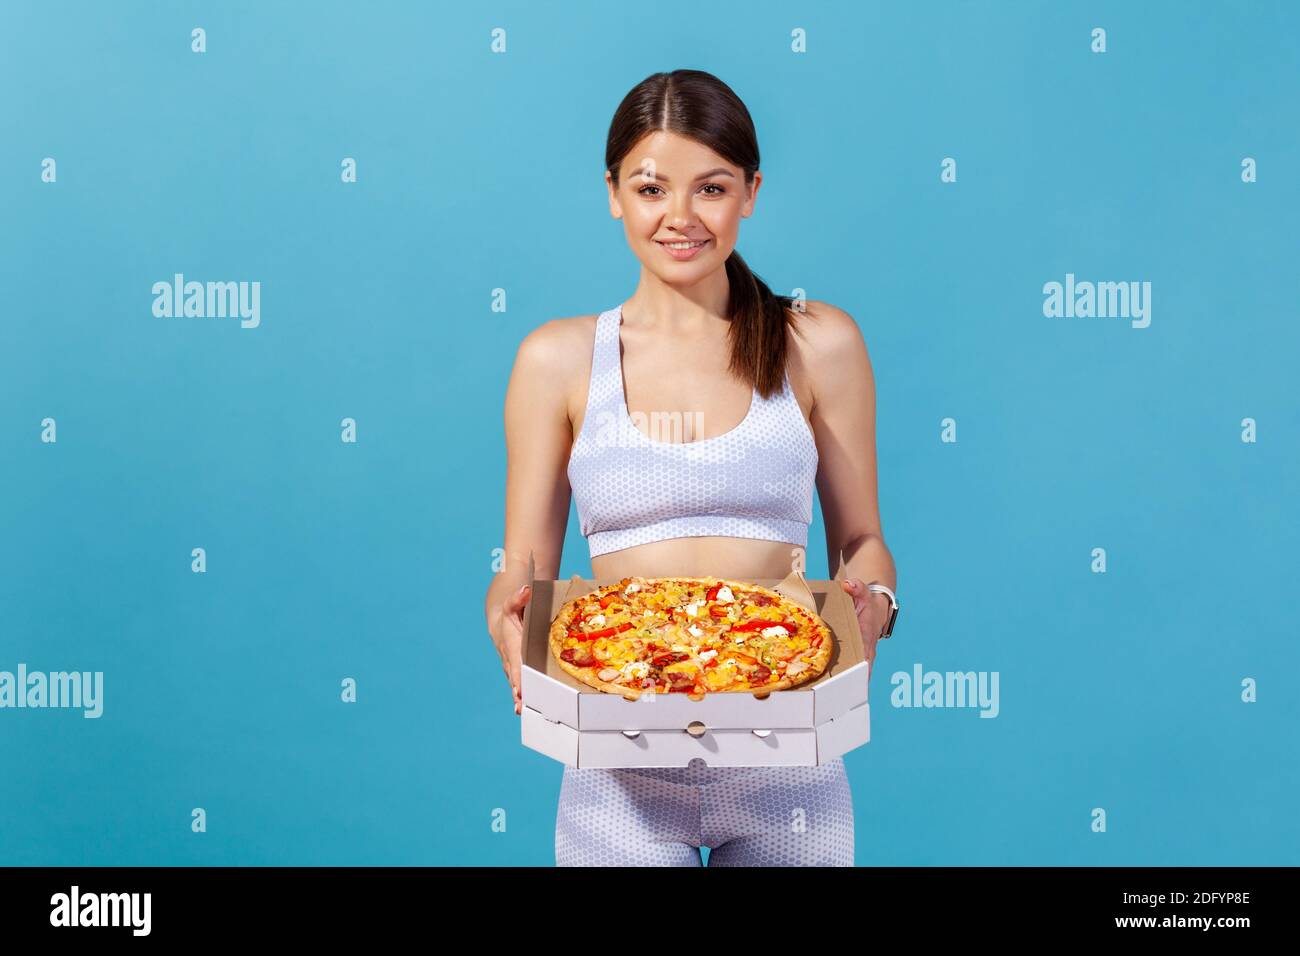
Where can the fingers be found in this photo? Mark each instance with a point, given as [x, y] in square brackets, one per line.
[510, 682]
[512, 669]
[519, 598]
[514, 606]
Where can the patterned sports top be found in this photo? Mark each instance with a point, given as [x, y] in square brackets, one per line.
[755, 481]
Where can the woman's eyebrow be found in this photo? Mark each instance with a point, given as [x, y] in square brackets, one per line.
[712, 172]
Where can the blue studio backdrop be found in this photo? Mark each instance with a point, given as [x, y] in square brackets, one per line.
[1091, 509]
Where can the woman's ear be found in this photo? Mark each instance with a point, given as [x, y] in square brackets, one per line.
[615, 207]
[747, 207]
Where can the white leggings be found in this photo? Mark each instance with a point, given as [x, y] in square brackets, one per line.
[747, 816]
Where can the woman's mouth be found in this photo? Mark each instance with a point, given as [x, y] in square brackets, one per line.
[681, 250]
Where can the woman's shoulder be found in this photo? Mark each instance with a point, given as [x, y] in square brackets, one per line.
[826, 330]
[559, 345]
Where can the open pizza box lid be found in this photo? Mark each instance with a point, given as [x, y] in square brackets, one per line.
[551, 693]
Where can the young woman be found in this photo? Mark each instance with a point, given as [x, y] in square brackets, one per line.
[772, 396]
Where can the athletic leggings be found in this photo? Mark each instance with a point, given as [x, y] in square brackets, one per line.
[747, 816]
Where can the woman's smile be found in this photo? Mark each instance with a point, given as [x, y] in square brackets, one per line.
[681, 250]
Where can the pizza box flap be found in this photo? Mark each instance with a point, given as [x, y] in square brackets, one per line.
[578, 586]
[795, 587]
[532, 593]
[843, 688]
[532, 599]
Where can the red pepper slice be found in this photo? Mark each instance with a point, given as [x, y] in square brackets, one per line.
[675, 658]
[757, 625]
[605, 632]
[713, 593]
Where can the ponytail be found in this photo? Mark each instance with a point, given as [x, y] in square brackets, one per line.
[758, 322]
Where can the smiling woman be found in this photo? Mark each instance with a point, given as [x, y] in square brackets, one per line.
[783, 397]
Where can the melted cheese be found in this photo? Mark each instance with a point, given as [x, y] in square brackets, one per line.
[635, 669]
[718, 677]
[682, 667]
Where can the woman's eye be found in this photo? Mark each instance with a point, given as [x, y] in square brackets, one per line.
[720, 189]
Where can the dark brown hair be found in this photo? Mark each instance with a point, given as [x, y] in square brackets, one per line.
[700, 106]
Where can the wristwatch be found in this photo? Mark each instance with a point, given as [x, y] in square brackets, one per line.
[893, 607]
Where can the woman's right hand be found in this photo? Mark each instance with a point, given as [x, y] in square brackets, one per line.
[509, 639]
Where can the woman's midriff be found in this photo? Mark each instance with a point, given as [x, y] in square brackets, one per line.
[742, 558]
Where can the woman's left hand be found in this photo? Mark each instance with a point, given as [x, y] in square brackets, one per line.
[873, 612]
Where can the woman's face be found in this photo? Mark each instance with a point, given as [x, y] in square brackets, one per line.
[674, 190]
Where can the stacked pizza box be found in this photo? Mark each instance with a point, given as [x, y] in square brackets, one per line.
[582, 726]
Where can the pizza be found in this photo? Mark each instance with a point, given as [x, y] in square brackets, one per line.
[689, 635]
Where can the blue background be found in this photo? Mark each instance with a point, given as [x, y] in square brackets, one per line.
[325, 560]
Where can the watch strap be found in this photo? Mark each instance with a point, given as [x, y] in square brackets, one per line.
[893, 608]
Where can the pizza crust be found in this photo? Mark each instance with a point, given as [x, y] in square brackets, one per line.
[818, 661]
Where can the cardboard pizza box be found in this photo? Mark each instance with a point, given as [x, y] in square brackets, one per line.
[804, 726]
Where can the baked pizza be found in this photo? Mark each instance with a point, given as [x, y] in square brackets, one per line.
[689, 635]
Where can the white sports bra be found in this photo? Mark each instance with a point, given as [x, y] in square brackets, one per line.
[755, 481]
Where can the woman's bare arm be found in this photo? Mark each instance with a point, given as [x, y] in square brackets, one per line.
[538, 437]
[844, 423]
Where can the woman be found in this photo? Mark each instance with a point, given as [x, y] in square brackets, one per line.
[774, 397]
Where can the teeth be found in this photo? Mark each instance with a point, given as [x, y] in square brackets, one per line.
[684, 245]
